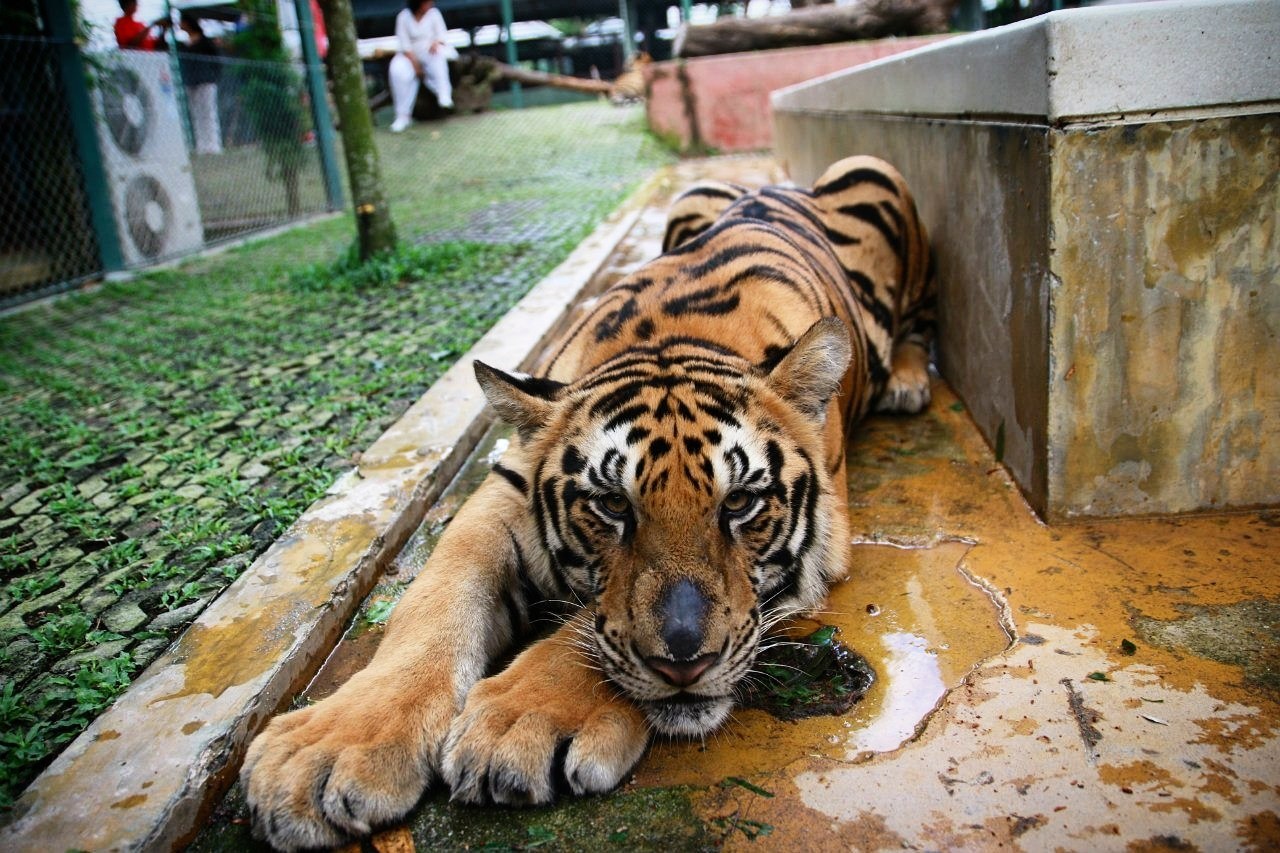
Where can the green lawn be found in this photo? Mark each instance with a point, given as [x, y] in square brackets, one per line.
[157, 434]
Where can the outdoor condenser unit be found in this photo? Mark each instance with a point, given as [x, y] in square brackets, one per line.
[145, 153]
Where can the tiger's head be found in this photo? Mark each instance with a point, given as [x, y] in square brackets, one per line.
[683, 494]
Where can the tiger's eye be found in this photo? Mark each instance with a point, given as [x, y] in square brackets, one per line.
[738, 501]
[615, 503]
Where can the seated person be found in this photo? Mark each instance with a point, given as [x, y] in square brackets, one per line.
[420, 30]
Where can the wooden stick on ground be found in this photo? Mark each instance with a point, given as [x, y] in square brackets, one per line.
[558, 81]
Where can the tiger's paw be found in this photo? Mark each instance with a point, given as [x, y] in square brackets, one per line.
[908, 389]
[318, 776]
[525, 735]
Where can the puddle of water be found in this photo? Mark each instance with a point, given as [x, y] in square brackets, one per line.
[913, 687]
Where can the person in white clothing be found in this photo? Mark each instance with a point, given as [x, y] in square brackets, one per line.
[420, 31]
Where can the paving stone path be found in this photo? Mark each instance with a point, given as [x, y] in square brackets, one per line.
[156, 436]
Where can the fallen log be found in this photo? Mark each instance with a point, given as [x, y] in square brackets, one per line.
[868, 19]
[557, 81]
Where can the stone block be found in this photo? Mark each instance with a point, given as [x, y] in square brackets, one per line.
[23, 658]
[29, 504]
[102, 651]
[121, 516]
[255, 470]
[147, 651]
[91, 487]
[63, 557]
[99, 596]
[14, 493]
[138, 455]
[155, 468]
[123, 617]
[37, 524]
[179, 617]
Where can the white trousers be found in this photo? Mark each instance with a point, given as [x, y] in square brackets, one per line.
[202, 101]
[404, 83]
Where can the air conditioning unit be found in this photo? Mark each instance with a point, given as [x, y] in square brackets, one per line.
[145, 153]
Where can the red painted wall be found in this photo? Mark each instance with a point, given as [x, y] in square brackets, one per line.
[727, 96]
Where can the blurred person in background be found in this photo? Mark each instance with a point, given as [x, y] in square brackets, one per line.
[420, 31]
[201, 65]
[132, 34]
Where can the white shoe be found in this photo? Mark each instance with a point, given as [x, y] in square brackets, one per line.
[400, 124]
[446, 105]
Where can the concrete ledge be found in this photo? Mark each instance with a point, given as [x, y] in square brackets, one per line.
[145, 774]
[1075, 65]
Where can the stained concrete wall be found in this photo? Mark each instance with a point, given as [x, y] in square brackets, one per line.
[1165, 355]
[1111, 279]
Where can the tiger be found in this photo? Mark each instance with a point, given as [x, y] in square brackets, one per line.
[674, 485]
[629, 87]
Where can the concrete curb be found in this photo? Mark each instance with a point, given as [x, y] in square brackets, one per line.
[146, 773]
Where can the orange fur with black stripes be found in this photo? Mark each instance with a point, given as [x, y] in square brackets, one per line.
[676, 487]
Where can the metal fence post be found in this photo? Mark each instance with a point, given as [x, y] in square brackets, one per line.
[58, 17]
[508, 16]
[627, 13]
[319, 105]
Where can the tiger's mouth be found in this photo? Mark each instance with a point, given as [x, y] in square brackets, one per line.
[687, 714]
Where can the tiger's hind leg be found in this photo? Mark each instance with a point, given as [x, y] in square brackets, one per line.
[696, 209]
[884, 249]
[908, 388]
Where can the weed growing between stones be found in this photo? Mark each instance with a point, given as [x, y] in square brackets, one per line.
[158, 434]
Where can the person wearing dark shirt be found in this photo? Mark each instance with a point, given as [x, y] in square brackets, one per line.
[201, 64]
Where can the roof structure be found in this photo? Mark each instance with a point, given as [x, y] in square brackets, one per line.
[377, 17]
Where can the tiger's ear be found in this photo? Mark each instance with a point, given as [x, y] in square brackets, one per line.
[811, 372]
[521, 400]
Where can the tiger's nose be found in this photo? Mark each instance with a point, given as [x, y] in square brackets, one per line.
[683, 609]
[683, 612]
[682, 673]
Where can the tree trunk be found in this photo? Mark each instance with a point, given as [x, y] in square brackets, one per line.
[867, 19]
[556, 81]
[374, 229]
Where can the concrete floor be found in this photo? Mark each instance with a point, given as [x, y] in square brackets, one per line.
[1111, 685]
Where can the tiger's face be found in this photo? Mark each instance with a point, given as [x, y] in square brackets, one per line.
[686, 501]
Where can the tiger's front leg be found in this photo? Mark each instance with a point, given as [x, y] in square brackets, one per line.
[548, 721]
[364, 755]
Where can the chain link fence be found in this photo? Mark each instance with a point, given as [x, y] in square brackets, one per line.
[192, 151]
[255, 156]
[47, 240]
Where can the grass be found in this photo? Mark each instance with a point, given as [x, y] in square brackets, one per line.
[157, 434]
